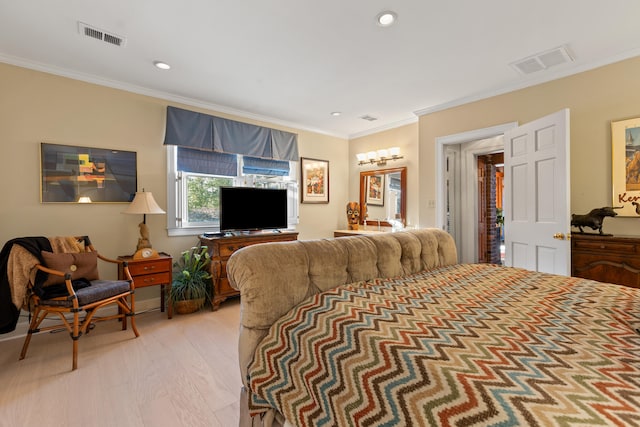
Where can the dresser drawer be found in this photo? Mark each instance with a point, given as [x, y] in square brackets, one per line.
[149, 267]
[227, 249]
[151, 279]
[618, 247]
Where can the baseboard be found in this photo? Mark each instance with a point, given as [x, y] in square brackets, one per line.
[142, 306]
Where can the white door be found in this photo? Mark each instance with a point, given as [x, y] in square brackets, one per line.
[537, 198]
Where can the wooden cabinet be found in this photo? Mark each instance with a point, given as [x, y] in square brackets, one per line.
[221, 248]
[151, 272]
[610, 259]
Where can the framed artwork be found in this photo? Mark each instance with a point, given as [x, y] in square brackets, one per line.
[625, 156]
[315, 180]
[70, 174]
[375, 190]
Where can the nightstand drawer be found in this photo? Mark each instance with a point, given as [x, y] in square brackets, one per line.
[149, 267]
[151, 279]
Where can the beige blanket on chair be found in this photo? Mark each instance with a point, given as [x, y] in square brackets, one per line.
[21, 267]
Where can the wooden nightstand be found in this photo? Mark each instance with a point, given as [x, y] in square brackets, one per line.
[151, 272]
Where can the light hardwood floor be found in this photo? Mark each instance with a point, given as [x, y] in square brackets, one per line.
[179, 372]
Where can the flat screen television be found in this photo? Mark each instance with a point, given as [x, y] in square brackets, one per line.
[248, 208]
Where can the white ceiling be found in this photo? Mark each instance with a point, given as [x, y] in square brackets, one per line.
[293, 62]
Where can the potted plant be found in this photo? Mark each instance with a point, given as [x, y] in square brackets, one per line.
[191, 280]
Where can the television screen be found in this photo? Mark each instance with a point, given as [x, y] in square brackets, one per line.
[247, 208]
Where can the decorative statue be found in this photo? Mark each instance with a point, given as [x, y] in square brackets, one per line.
[143, 241]
[593, 219]
[353, 215]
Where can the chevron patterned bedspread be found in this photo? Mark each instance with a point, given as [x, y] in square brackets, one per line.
[456, 346]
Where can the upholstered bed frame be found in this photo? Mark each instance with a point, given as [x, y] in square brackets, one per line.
[273, 278]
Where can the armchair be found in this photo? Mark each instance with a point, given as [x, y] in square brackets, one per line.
[71, 287]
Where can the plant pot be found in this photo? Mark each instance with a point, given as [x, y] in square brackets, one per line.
[188, 306]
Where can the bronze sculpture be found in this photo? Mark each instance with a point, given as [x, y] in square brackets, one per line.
[593, 219]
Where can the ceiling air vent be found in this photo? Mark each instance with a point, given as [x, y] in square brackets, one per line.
[369, 118]
[543, 60]
[102, 35]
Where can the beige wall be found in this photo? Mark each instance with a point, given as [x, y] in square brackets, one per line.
[404, 137]
[595, 98]
[39, 107]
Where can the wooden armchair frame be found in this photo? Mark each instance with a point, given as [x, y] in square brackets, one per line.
[100, 294]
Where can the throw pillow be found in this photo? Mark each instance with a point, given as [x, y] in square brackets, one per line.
[80, 265]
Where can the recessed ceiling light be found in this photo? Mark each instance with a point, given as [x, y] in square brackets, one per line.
[336, 113]
[161, 65]
[386, 18]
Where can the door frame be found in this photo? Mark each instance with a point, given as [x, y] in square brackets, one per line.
[469, 226]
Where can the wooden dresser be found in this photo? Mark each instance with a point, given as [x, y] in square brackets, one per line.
[221, 248]
[613, 259]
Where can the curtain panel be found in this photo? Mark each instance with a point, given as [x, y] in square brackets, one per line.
[199, 131]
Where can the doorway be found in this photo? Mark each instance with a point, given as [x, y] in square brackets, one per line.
[491, 247]
[457, 188]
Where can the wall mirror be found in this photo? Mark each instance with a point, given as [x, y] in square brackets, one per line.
[383, 197]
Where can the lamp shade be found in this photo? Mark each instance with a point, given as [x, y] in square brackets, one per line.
[143, 203]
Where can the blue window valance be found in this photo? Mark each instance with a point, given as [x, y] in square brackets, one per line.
[203, 132]
[258, 166]
[208, 162]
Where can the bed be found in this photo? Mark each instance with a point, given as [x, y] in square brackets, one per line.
[390, 330]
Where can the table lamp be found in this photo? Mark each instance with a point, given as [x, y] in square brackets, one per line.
[144, 203]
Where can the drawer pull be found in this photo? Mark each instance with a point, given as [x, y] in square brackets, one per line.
[146, 267]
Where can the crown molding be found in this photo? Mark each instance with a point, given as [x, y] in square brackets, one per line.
[393, 125]
[140, 90]
[544, 78]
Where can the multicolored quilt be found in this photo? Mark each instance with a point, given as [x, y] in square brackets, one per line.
[470, 344]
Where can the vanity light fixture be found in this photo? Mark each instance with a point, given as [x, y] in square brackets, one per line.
[161, 65]
[380, 157]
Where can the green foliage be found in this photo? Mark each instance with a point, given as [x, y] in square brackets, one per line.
[191, 277]
[499, 217]
[202, 197]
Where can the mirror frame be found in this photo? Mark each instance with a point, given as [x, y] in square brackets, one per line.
[403, 198]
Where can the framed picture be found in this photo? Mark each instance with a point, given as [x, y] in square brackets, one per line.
[625, 156]
[375, 190]
[70, 174]
[315, 180]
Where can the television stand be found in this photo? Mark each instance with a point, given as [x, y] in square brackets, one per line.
[221, 247]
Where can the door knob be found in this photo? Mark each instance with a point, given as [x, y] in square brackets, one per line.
[559, 236]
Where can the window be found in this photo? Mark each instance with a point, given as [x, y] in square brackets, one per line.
[202, 205]
[194, 177]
